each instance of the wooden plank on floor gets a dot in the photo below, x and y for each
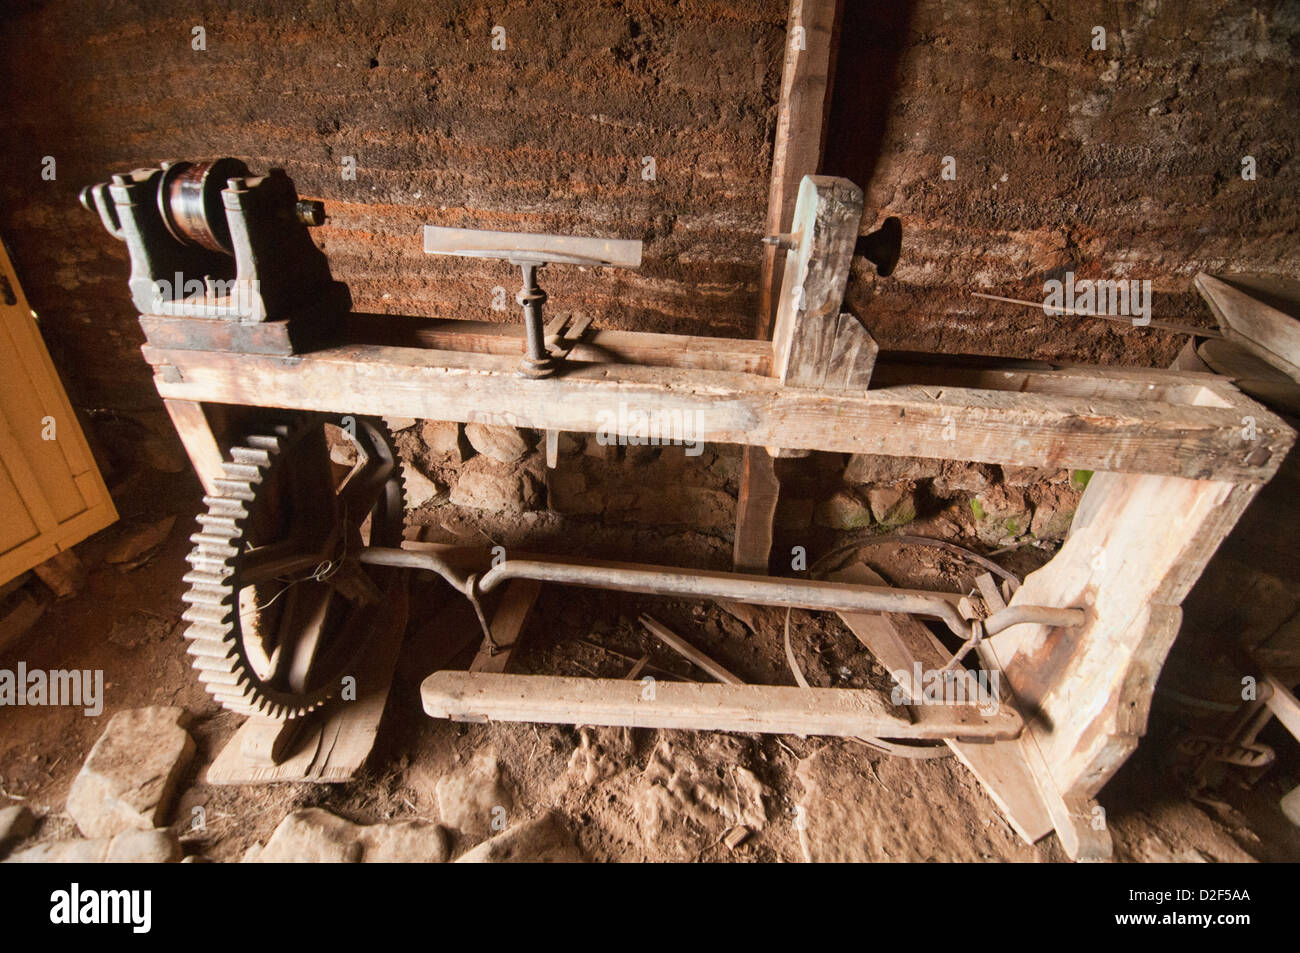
(843, 712)
(688, 651)
(900, 643)
(335, 746)
(507, 624)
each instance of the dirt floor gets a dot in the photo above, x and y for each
(624, 795)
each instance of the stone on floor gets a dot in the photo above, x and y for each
(130, 847)
(542, 840)
(129, 780)
(843, 510)
(473, 800)
(892, 506)
(315, 836)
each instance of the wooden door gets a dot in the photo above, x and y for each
(51, 494)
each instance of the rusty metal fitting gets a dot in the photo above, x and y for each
(310, 212)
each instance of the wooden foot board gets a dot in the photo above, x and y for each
(843, 712)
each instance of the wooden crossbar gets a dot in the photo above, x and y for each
(843, 712)
(1092, 432)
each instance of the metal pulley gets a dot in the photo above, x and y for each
(189, 201)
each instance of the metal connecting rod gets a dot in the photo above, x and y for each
(739, 587)
(1034, 615)
(704, 584)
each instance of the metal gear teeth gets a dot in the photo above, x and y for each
(217, 654)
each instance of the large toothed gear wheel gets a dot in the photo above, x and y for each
(279, 604)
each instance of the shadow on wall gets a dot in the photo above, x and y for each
(872, 40)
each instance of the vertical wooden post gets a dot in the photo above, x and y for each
(796, 152)
(800, 131)
(813, 343)
(201, 444)
(755, 511)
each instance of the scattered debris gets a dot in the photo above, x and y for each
(139, 543)
(736, 836)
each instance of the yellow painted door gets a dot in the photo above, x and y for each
(51, 494)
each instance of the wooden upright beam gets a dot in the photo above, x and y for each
(796, 152)
(201, 444)
(814, 344)
(800, 131)
(1137, 545)
(755, 511)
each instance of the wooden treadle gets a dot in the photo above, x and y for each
(486, 696)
